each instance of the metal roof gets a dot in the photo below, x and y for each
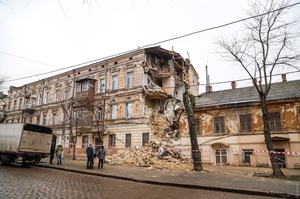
(281, 90)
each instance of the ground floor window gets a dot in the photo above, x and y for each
(145, 138)
(85, 140)
(112, 140)
(246, 155)
(128, 140)
(221, 156)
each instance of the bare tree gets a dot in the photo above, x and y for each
(3, 115)
(189, 104)
(267, 46)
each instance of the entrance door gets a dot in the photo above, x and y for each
(221, 156)
(98, 143)
(281, 158)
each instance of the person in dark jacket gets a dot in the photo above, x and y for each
(101, 157)
(90, 157)
(59, 151)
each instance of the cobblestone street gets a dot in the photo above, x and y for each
(32, 182)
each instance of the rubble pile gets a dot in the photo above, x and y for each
(147, 157)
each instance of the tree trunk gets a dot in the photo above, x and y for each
(196, 154)
(267, 133)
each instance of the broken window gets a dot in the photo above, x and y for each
(128, 110)
(114, 82)
(219, 125)
(245, 123)
(128, 140)
(85, 85)
(129, 80)
(275, 122)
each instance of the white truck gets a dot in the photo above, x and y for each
(24, 143)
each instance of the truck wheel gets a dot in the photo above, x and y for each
(4, 160)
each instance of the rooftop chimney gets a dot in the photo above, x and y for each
(283, 76)
(233, 85)
(208, 86)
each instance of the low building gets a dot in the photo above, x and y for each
(230, 127)
(123, 101)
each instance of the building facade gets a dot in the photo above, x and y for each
(230, 126)
(123, 101)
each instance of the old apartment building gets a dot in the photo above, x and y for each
(123, 101)
(230, 127)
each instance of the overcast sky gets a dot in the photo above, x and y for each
(43, 36)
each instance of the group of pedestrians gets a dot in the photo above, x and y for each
(91, 154)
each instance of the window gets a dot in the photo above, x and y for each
(113, 109)
(245, 123)
(145, 138)
(246, 155)
(112, 140)
(197, 126)
(83, 117)
(219, 124)
(85, 140)
(114, 83)
(221, 156)
(38, 119)
(102, 86)
(100, 114)
(30, 120)
(21, 103)
(129, 80)
(128, 110)
(56, 95)
(275, 122)
(15, 105)
(85, 85)
(9, 106)
(39, 99)
(44, 119)
(128, 140)
(54, 118)
(46, 99)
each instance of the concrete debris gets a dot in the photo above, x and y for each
(147, 156)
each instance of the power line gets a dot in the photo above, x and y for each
(149, 45)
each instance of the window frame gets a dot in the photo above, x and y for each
(219, 125)
(245, 123)
(129, 79)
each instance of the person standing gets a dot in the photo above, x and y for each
(101, 157)
(90, 157)
(59, 151)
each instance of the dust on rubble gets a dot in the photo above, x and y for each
(147, 156)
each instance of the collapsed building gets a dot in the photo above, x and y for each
(121, 102)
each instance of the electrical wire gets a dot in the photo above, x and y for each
(149, 45)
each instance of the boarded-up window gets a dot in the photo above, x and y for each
(219, 125)
(275, 121)
(245, 123)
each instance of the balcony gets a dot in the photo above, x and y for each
(30, 108)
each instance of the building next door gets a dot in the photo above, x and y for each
(281, 158)
(221, 156)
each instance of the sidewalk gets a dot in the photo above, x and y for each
(220, 178)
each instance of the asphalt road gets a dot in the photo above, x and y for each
(17, 182)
